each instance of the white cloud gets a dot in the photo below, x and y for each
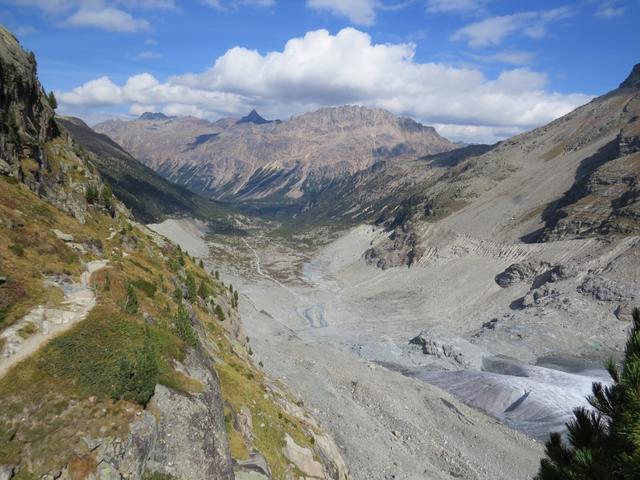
(609, 9)
(321, 69)
(360, 12)
(475, 133)
(149, 55)
(231, 4)
(109, 19)
(109, 15)
(493, 30)
(511, 57)
(455, 6)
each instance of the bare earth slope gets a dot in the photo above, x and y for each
(247, 160)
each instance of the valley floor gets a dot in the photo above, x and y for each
(337, 332)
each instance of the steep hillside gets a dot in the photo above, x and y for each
(576, 177)
(120, 355)
(258, 160)
(150, 197)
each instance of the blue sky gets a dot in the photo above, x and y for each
(478, 70)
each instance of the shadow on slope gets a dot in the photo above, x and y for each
(150, 197)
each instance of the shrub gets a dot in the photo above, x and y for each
(178, 295)
(604, 443)
(138, 377)
(148, 288)
(184, 329)
(204, 291)
(91, 194)
(219, 313)
(131, 304)
(18, 250)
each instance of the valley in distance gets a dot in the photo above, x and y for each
(344, 294)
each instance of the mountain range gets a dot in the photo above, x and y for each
(252, 159)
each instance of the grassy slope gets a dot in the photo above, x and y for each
(64, 392)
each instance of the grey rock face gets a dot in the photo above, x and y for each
(254, 467)
(186, 439)
(606, 290)
(192, 441)
(515, 273)
(624, 312)
(401, 248)
(456, 349)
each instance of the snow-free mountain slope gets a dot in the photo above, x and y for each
(250, 159)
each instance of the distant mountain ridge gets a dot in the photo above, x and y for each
(154, 116)
(256, 118)
(259, 160)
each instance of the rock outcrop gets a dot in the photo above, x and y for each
(460, 352)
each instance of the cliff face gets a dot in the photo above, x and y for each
(26, 118)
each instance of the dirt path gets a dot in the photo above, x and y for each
(49, 321)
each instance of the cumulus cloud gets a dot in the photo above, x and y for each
(493, 30)
(321, 69)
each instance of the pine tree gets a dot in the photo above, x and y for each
(106, 197)
(53, 102)
(204, 291)
(604, 443)
(192, 291)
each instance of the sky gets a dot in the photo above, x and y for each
(477, 70)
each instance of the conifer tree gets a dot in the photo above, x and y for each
(603, 442)
(53, 102)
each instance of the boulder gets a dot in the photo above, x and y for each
(302, 458)
(455, 349)
(255, 466)
(515, 273)
(65, 237)
(7, 472)
(606, 290)
(624, 312)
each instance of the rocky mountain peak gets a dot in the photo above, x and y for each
(154, 116)
(633, 80)
(254, 117)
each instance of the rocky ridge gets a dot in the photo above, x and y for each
(240, 160)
